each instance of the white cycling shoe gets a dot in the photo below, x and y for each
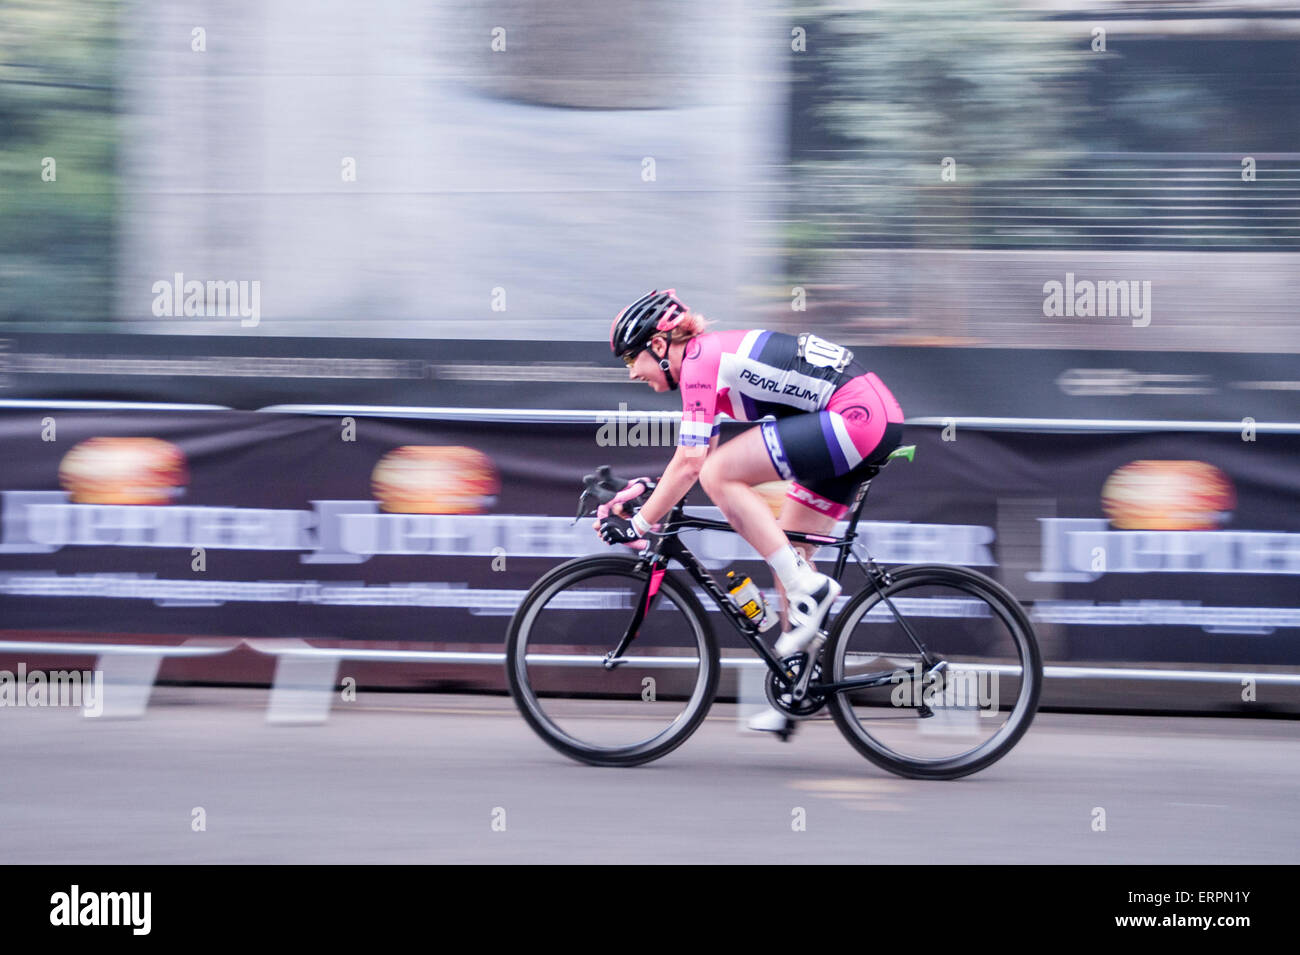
(806, 609)
(772, 721)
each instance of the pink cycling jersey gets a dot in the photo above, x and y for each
(749, 374)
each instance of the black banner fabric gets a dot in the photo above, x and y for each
(251, 373)
(1171, 547)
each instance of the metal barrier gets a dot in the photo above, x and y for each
(129, 669)
(1117, 425)
(306, 677)
(107, 405)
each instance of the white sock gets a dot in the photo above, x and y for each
(791, 569)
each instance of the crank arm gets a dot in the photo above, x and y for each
(800, 688)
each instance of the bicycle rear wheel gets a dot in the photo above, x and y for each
(640, 710)
(950, 721)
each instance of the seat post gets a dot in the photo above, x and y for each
(870, 472)
(842, 555)
(861, 498)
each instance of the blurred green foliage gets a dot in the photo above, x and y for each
(893, 87)
(975, 78)
(57, 66)
(1057, 144)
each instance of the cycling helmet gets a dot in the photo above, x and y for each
(643, 319)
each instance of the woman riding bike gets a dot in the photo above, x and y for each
(833, 418)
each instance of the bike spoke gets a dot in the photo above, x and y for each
(598, 712)
(962, 702)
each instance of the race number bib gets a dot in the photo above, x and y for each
(823, 354)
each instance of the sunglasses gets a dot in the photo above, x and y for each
(630, 358)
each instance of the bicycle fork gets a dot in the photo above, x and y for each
(613, 657)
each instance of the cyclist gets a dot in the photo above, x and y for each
(832, 417)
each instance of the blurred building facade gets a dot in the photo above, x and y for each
(518, 170)
(522, 170)
(950, 160)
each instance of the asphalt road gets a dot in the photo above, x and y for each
(421, 778)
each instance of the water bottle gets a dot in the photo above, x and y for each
(750, 601)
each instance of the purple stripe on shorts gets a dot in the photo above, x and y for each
(833, 444)
(775, 452)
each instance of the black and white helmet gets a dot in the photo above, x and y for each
(643, 319)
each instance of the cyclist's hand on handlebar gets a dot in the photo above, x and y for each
(616, 530)
(613, 520)
(635, 489)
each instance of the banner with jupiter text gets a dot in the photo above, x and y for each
(1174, 547)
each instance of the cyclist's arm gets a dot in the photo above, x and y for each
(683, 471)
(699, 377)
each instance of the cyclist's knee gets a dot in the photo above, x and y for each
(711, 476)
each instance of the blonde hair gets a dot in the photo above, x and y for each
(692, 325)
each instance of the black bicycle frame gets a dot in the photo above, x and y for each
(670, 547)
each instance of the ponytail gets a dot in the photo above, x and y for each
(689, 327)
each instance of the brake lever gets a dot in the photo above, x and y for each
(588, 491)
(600, 487)
(603, 487)
(607, 480)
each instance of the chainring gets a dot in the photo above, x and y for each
(780, 696)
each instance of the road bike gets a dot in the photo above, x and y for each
(930, 671)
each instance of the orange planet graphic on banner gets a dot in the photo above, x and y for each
(124, 471)
(1168, 496)
(420, 479)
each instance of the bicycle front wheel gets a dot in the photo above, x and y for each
(955, 667)
(641, 709)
